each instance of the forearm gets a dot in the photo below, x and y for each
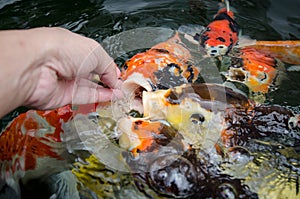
(19, 56)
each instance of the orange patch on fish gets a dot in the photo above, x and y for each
(23, 141)
(261, 69)
(166, 54)
(286, 51)
(145, 132)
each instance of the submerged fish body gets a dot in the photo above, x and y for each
(286, 51)
(30, 136)
(34, 148)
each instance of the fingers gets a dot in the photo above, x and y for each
(105, 67)
(85, 91)
(79, 91)
(72, 64)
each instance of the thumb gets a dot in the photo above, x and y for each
(86, 91)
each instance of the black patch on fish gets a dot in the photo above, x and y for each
(265, 77)
(160, 50)
(136, 124)
(192, 75)
(167, 79)
(221, 39)
(233, 25)
(203, 39)
(173, 65)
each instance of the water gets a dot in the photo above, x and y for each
(99, 19)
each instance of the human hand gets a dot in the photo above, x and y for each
(65, 72)
(53, 67)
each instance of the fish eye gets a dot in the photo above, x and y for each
(125, 66)
(197, 118)
(137, 124)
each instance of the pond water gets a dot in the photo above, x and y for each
(261, 20)
(100, 19)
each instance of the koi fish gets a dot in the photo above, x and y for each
(203, 111)
(34, 147)
(257, 60)
(221, 35)
(286, 51)
(164, 65)
(211, 119)
(255, 69)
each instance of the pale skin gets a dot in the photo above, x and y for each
(46, 68)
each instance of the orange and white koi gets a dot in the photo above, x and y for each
(164, 65)
(29, 142)
(221, 35)
(253, 68)
(34, 147)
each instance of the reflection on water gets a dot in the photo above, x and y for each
(266, 168)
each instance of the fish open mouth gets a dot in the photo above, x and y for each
(133, 88)
(237, 74)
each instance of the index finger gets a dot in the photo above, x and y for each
(106, 68)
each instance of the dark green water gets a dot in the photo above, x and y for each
(263, 20)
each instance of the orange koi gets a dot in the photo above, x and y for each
(254, 64)
(221, 35)
(142, 135)
(30, 136)
(32, 141)
(253, 68)
(286, 51)
(170, 58)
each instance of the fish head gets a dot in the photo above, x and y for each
(141, 135)
(165, 65)
(255, 69)
(194, 110)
